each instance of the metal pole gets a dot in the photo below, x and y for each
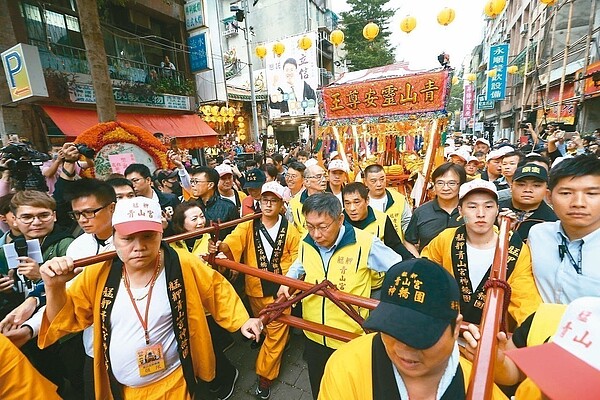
(255, 134)
(587, 58)
(565, 59)
(526, 70)
(550, 58)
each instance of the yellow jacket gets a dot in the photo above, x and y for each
(347, 270)
(241, 244)
(525, 297)
(205, 289)
(394, 209)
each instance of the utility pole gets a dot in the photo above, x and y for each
(256, 134)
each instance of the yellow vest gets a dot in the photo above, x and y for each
(297, 218)
(544, 325)
(377, 227)
(394, 210)
(347, 270)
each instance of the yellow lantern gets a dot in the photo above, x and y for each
(305, 43)
(242, 137)
(241, 124)
(492, 73)
(471, 77)
(240, 119)
(493, 8)
(215, 110)
(223, 112)
(278, 48)
(205, 110)
(261, 51)
(231, 111)
(370, 31)
(454, 80)
(513, 69)
(408, 24)
(336, 37)
(241, 131)
(219, 119)
(446, 16)
(548, 2)
(208, 119)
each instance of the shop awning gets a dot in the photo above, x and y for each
(190, 130)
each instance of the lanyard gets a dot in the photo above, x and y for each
(143, 321)
(565, 251)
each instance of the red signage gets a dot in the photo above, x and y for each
(414, 94)
(592, 87)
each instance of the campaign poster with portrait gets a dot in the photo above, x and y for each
(292, 78)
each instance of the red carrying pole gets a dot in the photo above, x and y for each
(482, 376)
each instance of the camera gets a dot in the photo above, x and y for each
(23, 162)
(85, 151)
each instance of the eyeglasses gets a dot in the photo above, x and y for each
(197, 181)
(88, 214)
(450, 184)
(42, 217)
(269, 201)
(291, 176)
(322, 229)
(319, 177)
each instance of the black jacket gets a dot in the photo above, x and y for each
(219, 209)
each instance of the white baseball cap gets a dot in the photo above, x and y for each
(472, 159)
(333, 154)
(483, 140)
(337, 165)
(223, 169)
(568, 367)
(273, 187)
(310, 162)
(498, 153)
(461, 154)
(137, 215)
(479, 185)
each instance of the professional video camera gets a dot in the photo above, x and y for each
(24, 163)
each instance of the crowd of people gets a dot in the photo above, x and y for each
(155, 319)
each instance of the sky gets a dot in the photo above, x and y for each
(421, 47)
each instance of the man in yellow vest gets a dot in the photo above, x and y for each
(346, 256)
(361, 215)
(389, 201)
(413, 352)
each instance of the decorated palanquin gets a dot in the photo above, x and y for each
(388, 116)
(118, 144)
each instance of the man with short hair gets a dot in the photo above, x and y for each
(359, 214)
(413, 352)
(338, 176)
(255, 179)
(139, 175)
(565, 253)
(315, 181)
(529, 189)
(270, 244)
(169, 350)
(294, 178)
(389, 201)
(123, 188)
(333, 250)
(205, 181)
(493, 166)
(467, 252)
(225, 186)
(167, 182)
(302, 156)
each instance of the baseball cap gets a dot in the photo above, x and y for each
(137, 215)
(531, 171)
(498, 153)
(333, 154)
(310, 162)
(460, 154)
(223, 169)
(568, 367)
(418, 301)
(477, 185)
(163, 174)
(273, 187)
(483, 140)
(337, 165)
(255, 178)
(472, 159)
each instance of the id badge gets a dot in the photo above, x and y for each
(150, 359)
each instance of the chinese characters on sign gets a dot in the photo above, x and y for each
(194, 14)
(468, 102)
(496, 85)
(403, 95)
(198, 52)
(119, 162)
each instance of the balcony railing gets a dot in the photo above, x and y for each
(70, 59)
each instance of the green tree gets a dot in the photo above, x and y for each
(361, 53)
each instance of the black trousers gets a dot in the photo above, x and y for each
(224, 371)
(316, 356)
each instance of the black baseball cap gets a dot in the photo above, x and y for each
(419, 299)
(163, 174)
(255, 178)
(531, 171)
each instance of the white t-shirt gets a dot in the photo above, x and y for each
(127, 333)
(479, 263)
(378, 204)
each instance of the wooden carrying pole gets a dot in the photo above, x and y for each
(482, 376)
